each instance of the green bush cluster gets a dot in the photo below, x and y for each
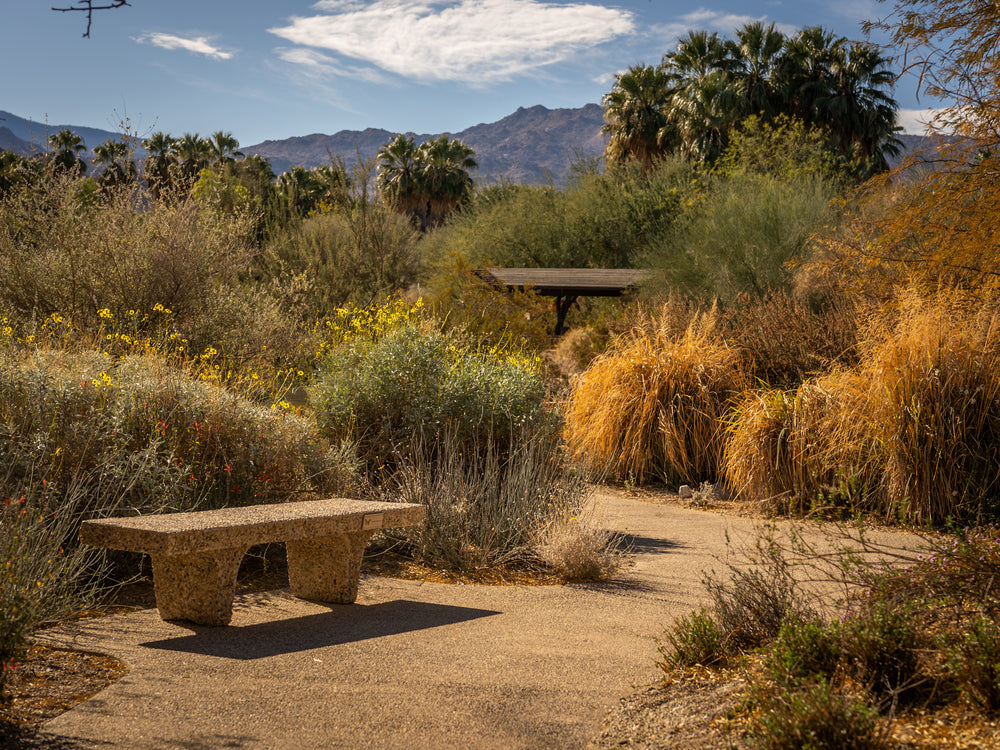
(409, 389)
(919, 632)
(172, 440)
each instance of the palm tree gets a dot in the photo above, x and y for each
(299, 190)
(223, 148)
(706, 110)
(118, 167)
(190, 154)
(159, 158)
(68, 149)
(400, 177)
(756, 54)
(635, 114)
(804, 71)
(445, 165)
(860, 113)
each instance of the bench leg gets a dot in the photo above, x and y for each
(198, 587)
(327, 568)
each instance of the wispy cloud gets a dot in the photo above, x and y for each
(474, 41)
(315, 64)
(199, 45)
(917, 121)
(710, 20)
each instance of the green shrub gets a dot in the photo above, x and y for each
(975, 662)
(805, 649)
(44, 576)
(883, 643)
(406, 390)
(695, 639)
(814, 717)
(355, 254)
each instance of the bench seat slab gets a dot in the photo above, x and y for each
(198, 586)
(326, 568)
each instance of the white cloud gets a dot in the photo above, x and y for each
(915, 121)
(199, 45)
(710, 20)
(315, 64)
(475, 41)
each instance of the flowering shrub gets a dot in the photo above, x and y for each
(181, 441)
(389, 392)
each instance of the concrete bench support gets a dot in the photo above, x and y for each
(196, 556)
(327, 569)
(198, 587)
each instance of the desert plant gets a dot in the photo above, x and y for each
(651, 407)
(695, 639)
(395, 394)
(975, 662)
(44, 575)
(816, 716)
(883, 643)
(577, 548)
(805, 649)
(485, 508)
(187, 442)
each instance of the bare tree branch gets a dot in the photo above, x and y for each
(88, 7)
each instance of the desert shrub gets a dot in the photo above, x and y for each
(651, 407)
(742, 234)
(695, 639)
(44, 576)
(788, 339)
(465, 303)
(356, 253)
(395, 394)
(805, 649)
(975, 662)
(187, 442)
(816, 716)
(883, 643)
(485, 508)
(576, 547)
(597, 221)
(69, 257)
(752, 604)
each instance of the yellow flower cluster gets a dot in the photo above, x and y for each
(366, 323)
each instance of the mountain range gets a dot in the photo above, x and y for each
(532, 145)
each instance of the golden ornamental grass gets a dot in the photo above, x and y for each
(798, 451)
(652, 406)
(934, 402)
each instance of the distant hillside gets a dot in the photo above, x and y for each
(36, 134)
(531, 145)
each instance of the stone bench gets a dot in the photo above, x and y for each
(196, 556)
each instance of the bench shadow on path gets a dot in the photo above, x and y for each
(342, 624)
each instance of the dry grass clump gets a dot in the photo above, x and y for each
(651, 407)
(913, 432)
(578, 548)
(780, 450)
(934, 403)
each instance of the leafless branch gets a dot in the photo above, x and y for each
(88, 7)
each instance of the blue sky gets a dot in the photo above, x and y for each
(265, 69)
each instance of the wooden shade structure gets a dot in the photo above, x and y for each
(566, 284)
